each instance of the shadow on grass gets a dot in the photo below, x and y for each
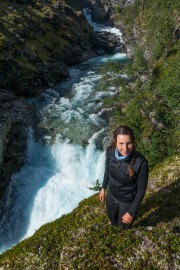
(163, 205)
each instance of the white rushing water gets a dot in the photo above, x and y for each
(57, 173)
(78, 168)
(100, 27)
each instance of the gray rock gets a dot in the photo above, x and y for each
(15, 117)
(4, 130)
(108, 41)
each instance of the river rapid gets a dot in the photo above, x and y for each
(59, 169)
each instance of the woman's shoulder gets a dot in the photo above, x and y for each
(110, 150)
(140, 162)
(140, 158)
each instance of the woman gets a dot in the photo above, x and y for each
(126, 174)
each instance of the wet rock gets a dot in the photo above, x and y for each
(17, 20)
(100, 10)
(31, 27)
(25, 1)
(14, 154)
(4, 130)
(108, 41)
(177, 33)
(74, 55)
(8, 45)
(53, 72)
(15, 118)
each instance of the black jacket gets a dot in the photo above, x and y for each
(123, 187)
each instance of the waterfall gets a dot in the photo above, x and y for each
(100, 27)
(78, 168)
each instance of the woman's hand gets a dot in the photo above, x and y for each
(102, 195)
(127, 218)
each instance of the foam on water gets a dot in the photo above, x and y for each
(78, 168)
(100, 27)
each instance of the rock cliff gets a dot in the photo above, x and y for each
(39, 39)
(15, 118)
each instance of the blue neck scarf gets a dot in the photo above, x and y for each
(120, 157)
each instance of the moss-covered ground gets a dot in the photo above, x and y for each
(84, 239)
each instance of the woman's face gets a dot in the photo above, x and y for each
(124, 144)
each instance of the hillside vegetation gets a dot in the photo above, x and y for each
(84, 239)
(38, 40)
(148, 99)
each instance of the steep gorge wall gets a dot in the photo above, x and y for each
(38, 41)
(15, 118)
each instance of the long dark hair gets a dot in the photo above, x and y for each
(125, 130)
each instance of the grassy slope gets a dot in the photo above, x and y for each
(83, 239)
